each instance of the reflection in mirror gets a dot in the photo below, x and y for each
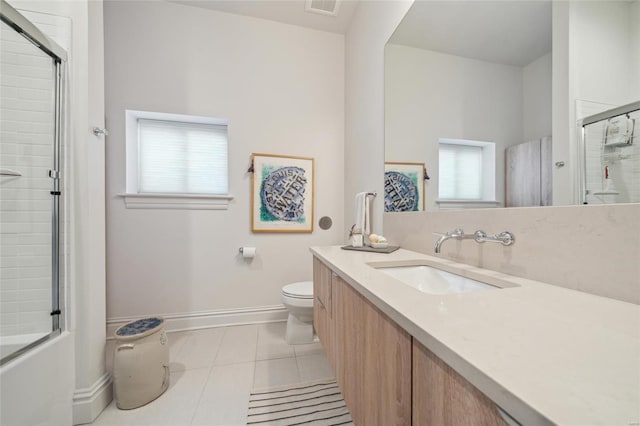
(611, 155)
(470, 87)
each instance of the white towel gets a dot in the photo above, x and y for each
(361, 211)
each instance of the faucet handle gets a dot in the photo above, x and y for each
(506, 238)
(440, 234)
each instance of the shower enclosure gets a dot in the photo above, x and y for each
(610, 171)
(31, 134)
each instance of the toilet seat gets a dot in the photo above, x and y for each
(299, 290)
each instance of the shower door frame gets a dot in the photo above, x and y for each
(24, 27)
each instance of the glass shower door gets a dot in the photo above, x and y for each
(29, 191)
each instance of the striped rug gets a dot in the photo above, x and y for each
(317, 403)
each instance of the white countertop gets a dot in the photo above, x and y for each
(544, 354)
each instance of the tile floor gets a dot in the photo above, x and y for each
(213, 371)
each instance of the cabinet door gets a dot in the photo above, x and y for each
(322, 308)
(373, 360)
(522, 184)
(443, 397)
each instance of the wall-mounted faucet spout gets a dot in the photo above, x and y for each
(457, 234)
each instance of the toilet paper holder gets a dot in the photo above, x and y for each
(247, 252)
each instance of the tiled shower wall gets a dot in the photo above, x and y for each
(27, 124)
(623, 163)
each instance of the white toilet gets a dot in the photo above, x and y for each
(298, 298)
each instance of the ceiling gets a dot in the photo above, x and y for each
(505, 32)
(286, 11)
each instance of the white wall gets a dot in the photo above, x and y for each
(431, 95)
(602, 48)
(634, 18)
(536, 110)
(281, 88)
(371, 26)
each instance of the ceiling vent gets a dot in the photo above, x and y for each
(323, 7)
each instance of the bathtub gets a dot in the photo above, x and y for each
(36, 388)
(12, 344)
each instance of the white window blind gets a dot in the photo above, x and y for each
(182, 158)
(460, 172)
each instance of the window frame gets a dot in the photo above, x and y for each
(135, 199)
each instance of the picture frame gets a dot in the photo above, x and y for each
(282, 193)
(404, 186)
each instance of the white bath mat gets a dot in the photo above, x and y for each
(316, 403)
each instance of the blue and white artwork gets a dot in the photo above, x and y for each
(282, 198)
(282, 194)
(403, 187)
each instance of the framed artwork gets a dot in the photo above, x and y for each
(404, 187)
(281, 193)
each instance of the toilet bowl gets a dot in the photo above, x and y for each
(298, 299)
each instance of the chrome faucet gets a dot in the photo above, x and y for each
(506, 238)
(457, 234)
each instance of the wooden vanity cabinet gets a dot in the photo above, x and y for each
(373, 360)
(387, 377)
(323, 308)
(443, 397)
(369, 353)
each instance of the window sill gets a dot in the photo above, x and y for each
(467, 204)
(177, 201)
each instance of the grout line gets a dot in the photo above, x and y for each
(211, 367)
(255, 354)
(224, 334)
(255, 361)
(206, 382)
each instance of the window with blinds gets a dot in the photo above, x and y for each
(460, 172)
(466, 170)
(177, 157)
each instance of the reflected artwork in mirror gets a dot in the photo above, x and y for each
(404, 187)
(489, 94)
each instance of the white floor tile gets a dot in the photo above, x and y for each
(275, 372)
(198, 350)
(271, 341)
(175, 407)
(176, 341)
(314, 367)
(213, 372)
(238, 345)
(314, 348)
(225, 398)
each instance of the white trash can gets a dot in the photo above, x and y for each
(140, 362)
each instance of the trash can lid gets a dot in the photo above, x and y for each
(139, 328)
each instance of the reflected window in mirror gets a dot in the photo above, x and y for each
(466, 170)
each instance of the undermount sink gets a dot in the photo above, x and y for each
(433, 281)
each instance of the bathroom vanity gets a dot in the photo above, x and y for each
(522, 352)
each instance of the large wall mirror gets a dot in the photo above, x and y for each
(483, 101)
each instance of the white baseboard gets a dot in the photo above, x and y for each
(89, 402)
(209, 319)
